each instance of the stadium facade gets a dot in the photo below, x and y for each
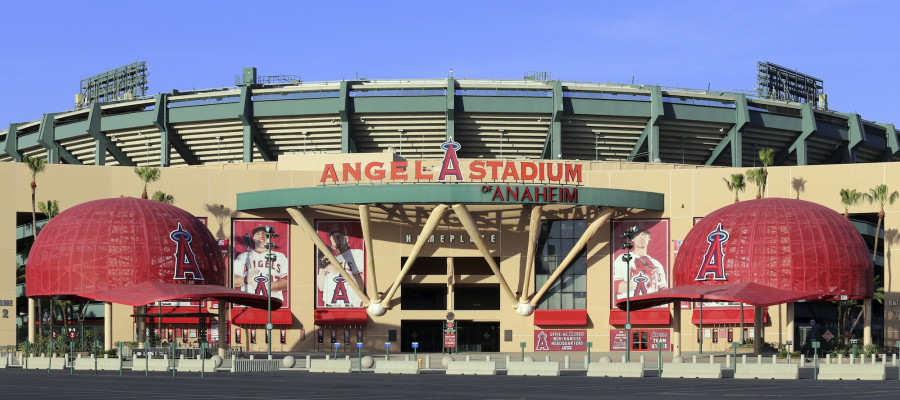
(453, 242)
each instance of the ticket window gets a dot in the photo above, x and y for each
(283, 336)
(237, 335)
(715, 336)
(730, 335)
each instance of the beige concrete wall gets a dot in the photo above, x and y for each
(210, 192)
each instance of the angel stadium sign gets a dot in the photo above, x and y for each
(519, 171)
(451, 171)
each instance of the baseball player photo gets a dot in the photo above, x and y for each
(251, 268)
(346, 244)
(647, 269)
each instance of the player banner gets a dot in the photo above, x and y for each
(251, 270)
(347, 246)
(647, 271)
(560, 340)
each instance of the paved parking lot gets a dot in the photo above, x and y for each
(431, 385)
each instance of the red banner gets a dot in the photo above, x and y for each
(644, 339)
(560, 340)
(449, 340)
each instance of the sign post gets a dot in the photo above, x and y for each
(203, 358)
(359, 354)
(147, 359)
(173, 358)
(815, 346)
(522, 345)
(50, 361)
(387, 349)
(589, 345)
(337, 345)
(71, 354)
(735, 345)
(121, 358)
(96, 348)
(659, 347)
(26, 356)
(415, 346)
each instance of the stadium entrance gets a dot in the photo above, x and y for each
(478, 336)
(429, 335)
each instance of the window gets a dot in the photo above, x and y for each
(639, 340)
(477, 297)
(555, 240)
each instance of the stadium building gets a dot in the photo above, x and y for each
(452, 205)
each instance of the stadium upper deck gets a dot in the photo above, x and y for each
(512, 119)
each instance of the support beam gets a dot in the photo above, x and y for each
(892, 144)
(168, 139)
(465, 218)
(11, 143)
(107, 326)
(304, 224)
(348, 143)
(867, 321)
(582, 242)
(534, 227)
(47, 138)
(251, 133)
(553, 141)
(222, 327)
(676, 328)
(799, 146)
(650, 136)
(735, 134)
(430, 225)
(757, 329)
(450, 119)
(102, 144)
(31, 320)
(365, 219)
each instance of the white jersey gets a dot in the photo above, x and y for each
(647, 275)
(336, 292)
(256, 284)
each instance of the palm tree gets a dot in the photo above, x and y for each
(163, 197)
(35, 165)
(850, 197)
(880, 194)
(766, 157)
(147, 175)
(757, 177)
(736, 184)
(49, 209)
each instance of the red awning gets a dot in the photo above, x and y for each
(174, 315)
(151, 292)
(652, 316)
(744, 292)
(341, 316)
(560, 317)
(252, 316)
(726, 316)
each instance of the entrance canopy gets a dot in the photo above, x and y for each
(130, 251)
(765, 252)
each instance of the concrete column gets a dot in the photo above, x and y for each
(676, 329)
(867, 324)
(31, 320)
(107, 326)
(223, 329)
(789, 325)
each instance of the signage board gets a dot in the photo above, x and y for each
(560, 340)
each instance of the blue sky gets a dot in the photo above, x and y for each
(48, 47)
